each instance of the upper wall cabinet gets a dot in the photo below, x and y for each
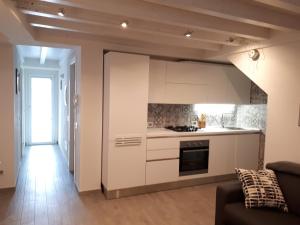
(190, 83)
(157, 79)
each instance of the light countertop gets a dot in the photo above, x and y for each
(162, 132)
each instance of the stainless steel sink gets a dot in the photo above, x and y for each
(234, 128)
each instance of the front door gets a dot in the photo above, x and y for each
(42, 111)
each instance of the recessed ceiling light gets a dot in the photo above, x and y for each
(61, 12)
(188, 34)
(230, 39)
(124, 24)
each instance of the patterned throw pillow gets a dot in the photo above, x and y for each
(261, 189)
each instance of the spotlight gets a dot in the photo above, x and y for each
(254, 54)
(124, 24)
(61, 12)
(188, 34)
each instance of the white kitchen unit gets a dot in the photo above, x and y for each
(157, 80)
(248, 150)
(195, 82)
(162, 171)
(162, 164)
(222, 150)
(126, 81)
(227, 150)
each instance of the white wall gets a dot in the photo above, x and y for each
(63, 77)
(8, 129)
(277, 73)
(18, 115)
(63, 109)
(90, 118)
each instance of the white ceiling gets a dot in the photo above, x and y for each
(157, 27)
(35, 52)
(214, 24)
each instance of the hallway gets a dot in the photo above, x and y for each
(46, 195)
(44, 189)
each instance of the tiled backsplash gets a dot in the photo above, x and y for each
(257, 95)
(162, 115)
(252, 116)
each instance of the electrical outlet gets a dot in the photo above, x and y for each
(150, 124)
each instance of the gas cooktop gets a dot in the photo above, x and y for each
(182, 128)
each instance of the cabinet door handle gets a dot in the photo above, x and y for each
(196, 150)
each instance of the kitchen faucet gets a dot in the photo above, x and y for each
(222, 121)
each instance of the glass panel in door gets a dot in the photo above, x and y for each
(41, 110)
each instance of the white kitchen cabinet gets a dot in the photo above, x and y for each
(162, 154)
(195, 82)
(188, 73)
(226, 152)
(157, 77)
(176, 93)
(162, 160)
(222, 155)
(162, 148)
(238, 86)
(162, 143)
(247, 151)
(162, 171)
(126, 79)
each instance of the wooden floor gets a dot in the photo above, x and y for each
(46, 194)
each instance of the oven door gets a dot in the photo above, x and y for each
(193, 161)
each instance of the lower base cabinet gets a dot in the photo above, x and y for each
(226, 152)
(247, 153)
(162, 171)
(222, 155)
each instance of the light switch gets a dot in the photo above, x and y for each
(1, 169)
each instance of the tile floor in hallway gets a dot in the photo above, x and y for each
(46, 194)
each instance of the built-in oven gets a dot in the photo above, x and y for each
(194, 156)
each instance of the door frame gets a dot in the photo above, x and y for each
(72, 116)
(28, 115)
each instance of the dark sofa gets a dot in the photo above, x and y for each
(230, 208)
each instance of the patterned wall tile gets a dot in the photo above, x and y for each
(246, 116)
(252, 116)
(257, 95)
(162, 115)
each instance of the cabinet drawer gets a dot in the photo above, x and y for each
(162, 171)
(162, 143)
(163, 154)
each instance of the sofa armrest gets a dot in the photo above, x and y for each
(227, 193)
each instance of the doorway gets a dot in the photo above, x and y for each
(49, 89)
(41, 106)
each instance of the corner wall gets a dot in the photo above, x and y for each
(90, 118)
(8, 158)
(277, 73)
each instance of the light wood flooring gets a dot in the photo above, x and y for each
(46, 194)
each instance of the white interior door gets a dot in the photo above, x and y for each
(42, 116)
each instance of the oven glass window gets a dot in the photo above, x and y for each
(194, 157)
